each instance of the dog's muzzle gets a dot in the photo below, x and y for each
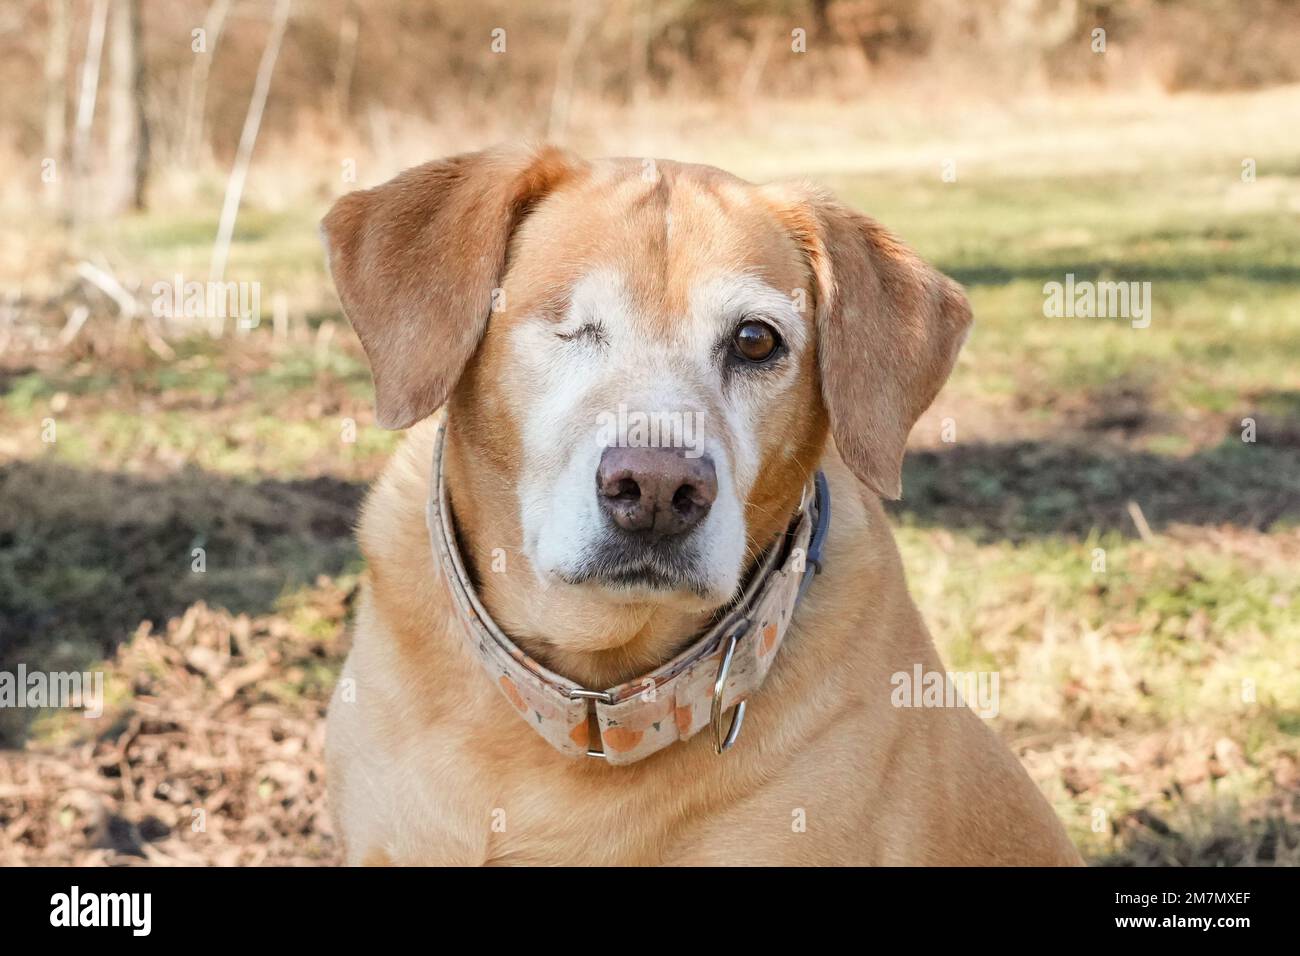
(721, 670)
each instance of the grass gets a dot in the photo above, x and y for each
(1155, 700)
(1225, 280)
(1153, 685)
(1184, 650)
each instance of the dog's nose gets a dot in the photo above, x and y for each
(656, 490)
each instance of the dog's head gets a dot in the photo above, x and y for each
(645, 357)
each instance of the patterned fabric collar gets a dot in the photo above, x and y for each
(720, 670)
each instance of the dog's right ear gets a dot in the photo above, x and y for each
(889, 328)
(415, 262)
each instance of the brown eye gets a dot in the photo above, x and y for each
(755, 341)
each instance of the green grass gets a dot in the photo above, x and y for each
(1173, 648)
(1224, 273)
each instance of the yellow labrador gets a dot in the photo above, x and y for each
(632, 597)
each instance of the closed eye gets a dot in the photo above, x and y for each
(591, 332)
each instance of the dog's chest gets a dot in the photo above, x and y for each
(581, 820)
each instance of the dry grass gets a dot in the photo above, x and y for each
(210, 752)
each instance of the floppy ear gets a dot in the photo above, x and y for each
(415, 262)
(889, 328)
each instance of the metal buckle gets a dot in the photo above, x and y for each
(601, 697)
(719, 742)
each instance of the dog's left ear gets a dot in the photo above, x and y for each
(415, 262)
(889, 328)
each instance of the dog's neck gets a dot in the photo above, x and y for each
(582, 635)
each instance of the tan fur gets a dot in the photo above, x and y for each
(429, 764)
(415, 261)
(889, 329)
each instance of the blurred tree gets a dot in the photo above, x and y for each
(86, 108)
(56, 96)
(581, 15)
(247, 140)
(128, 124)
(346, 61)
(197, 107)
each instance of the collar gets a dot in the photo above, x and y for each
(720, 670)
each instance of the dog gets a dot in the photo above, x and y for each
(577, 645)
